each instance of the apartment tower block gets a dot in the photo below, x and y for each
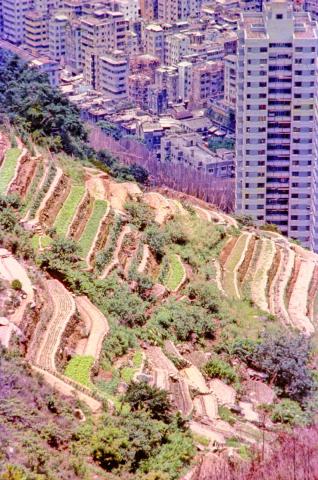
(276, 118)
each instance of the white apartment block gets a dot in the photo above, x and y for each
(176, 48)
(13, 17)
(173, 11)
(275, 118)
(154, 41)
(230, 80)
(73, 48)
(36, 31)
(102, 32)
(57, 34)
(185, 71)
(113, 70)
(130, 9)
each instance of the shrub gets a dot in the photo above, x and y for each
(184, 320)
(140, 214)
(285, 357)
(156, 240)
(118, 342)
(288, 411)
(16, 284)
(216, 368)
(142, 396)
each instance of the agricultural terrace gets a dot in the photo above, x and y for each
(230, 281)
(7, 169)
(68, 209)
(79, 369)
(91, 227)
(175, 273)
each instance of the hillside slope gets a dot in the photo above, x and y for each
(133, 286)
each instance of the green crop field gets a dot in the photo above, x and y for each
(68, 210)
(79, 369)
(7, 168)
(91, 227)
(231, 263)
(175, 273)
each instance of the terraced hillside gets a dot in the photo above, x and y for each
(128, 286)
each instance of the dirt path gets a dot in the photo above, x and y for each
(68, 390)
(97, 326)
(145, 257)
(232, 265)
(298, 301)
(64, 309)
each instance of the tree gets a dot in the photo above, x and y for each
(142, 396)
(285, 357)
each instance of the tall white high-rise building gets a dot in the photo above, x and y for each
(276, 120)
(13, 18)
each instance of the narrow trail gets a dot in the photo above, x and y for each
(278, 288)
(58, 176)
(93, 246)
(96, 323)
(298, 301)
(64, 309)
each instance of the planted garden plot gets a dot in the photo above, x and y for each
(260, 277)
(91, 228)
(232, 264)
(298, 300)
(79, 369)
(68, 209)
(176, 274)
(279, 285)
(8, 168)
(63, 311)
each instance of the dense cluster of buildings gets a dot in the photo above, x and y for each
(185, 74)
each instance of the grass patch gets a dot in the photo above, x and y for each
(175, 273)
(79, 369)
(8, 167)
(127, 373)
(91, 227)
(44, 242)
(34, 185)
(200, 439)
(68, 210)
(226, 415)
(231, 263)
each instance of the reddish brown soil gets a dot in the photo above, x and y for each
(44, 310)
(293, 279)
(227, 250)
(25, 174)
(312, 292)
(247, 260)
(80, 220)
(273, 270)
(55, 202)
(4, 145)
(128, 249)
(186, 198)
(73, 333)
(102, 235)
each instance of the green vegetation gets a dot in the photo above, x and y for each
(216, 368)
(32, 189)
(79, 369)
(36, 201)
(290, 412)
(231, 263)
(41, 241)
(175, 273)
(216, 143)
(16, 284)
(68, 210)
(104, 257)
(7, 169)
(91, 227)
(226, 415)
(127, 373)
